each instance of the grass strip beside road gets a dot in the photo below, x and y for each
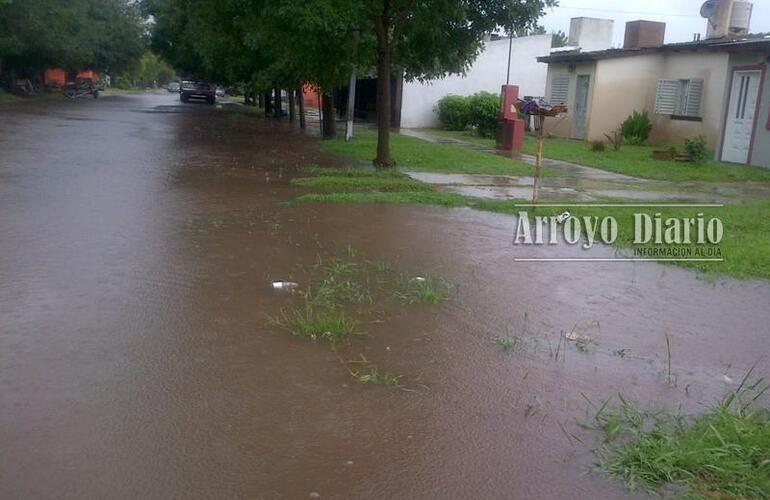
(415, 154)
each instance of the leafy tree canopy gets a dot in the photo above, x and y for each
(106, 35)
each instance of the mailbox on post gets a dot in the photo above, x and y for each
(511, 134)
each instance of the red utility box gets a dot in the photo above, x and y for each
(511, 135)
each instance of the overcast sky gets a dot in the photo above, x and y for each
(681, 16)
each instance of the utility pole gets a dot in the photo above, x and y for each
(510, 48)
(351, 108)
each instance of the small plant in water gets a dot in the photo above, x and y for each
(506, 343)
(425, 289)
(723, 452)
(375, 377)
(314, 323)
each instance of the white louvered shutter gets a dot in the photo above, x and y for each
(694, 98)
(559, 88)
(667, 97)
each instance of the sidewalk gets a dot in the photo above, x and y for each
(580, 182)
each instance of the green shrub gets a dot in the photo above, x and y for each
(484, 110)
(453, 112)
(598, 146)
(696, 148)
(636, 129)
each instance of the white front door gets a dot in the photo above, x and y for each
(739, 126)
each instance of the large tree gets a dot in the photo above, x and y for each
(430, 39)
(106, 35)
(294, 41)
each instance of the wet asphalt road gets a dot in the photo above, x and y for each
(138, 237)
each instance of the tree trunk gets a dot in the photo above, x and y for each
(268, 103)
(301, 99)
(278, 111)
(292, 111)
(383, 159)
(329, 123)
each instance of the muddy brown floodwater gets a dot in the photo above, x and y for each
(138, 237)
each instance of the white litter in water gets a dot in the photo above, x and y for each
(284, 285)
(419, 279)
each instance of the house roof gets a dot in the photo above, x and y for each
(759, 41)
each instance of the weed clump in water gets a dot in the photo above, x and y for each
(425, 289)
(375, 377)
(317, 323)
(722, 453)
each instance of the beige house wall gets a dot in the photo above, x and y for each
(624, 84)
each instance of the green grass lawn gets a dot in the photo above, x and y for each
(636, 161)
(415, 154)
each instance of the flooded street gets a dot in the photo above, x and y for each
(138, 241)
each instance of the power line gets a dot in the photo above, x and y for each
(647, 13)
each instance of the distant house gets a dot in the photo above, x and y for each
(57, 78)
(488, 72)
(713, 87)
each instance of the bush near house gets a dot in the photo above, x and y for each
(453, 112)
(696, 148)
(636, 129)
(480, 111)
(484, 108)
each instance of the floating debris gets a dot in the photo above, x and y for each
(574, 337)
(285, 285)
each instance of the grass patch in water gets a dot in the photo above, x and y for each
(506, 342)
(317, 323)
(425, 289)
(397, 198)
(375, 377)
(363, 183)
(721, 453)
(340, 286)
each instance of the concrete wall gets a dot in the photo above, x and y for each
(760, 154)
(487, 73)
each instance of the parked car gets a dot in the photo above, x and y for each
(173, 87)
(197, 90)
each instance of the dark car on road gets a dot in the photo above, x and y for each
(197, 90)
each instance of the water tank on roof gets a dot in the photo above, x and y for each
(740, 19)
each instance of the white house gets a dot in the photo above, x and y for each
(487, 73)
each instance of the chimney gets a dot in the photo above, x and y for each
(640, 34)
(590, 34)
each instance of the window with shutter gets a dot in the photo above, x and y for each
(679, 98)
(694, 96)
(667, 97)
(559, 88)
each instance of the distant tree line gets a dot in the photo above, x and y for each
(282, 45)
(103, 35)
